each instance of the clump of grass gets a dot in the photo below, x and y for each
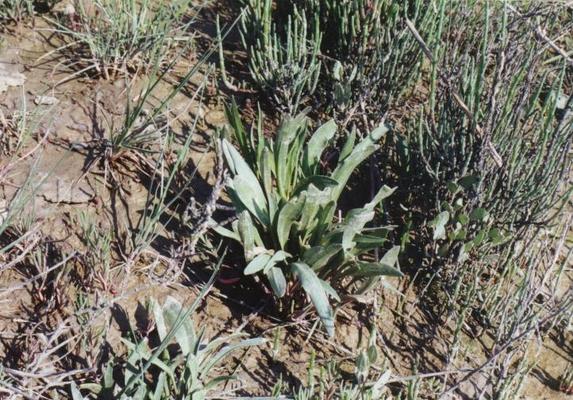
(15, 10)
(326, 381)
(109, 38)
(283, 60)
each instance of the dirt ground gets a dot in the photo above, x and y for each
(411, 338)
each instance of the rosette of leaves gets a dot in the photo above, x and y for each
(180, 367)
(286, 204)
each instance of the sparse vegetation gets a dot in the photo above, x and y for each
(113, 38)
(167, 227)
(15, 10)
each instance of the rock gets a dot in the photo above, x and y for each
(64, 191)
(46, 101)
(10, 76)
(216, 118)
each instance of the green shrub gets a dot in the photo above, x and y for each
(18, 10)
(514, 105)
(286, 212)
(283, 61)
(368, 55)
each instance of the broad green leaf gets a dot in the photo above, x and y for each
(277, 280)
(353, 225)
(453, 187)
(95, 388)
(316, 145)
(76, 395)
(390, 258)
(320, 181)
(383, 193)
(108, 381)
(329, 290)
(324, 218)
(439, 225)
(284, 157)
(371, 269)
(237, 164)
(496, 236)
(234, 118)
(258, 264)
(467, 182)
(159, 321)
(185, 335)
(312, 285)
(160, 388)
(247, 234)
(252, 197)
(378, 387)
(317, 257)
(277, 258)
(315, 199)
(225, 232)
(479, 238)
(348, 145)
(463, 219)
(245, 183)
(368, 242)
(385, 267)
(135, 356)
(360, 153)
(287, 216)
(479, 214)
(267, 169)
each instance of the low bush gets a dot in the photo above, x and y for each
(493, 141)
(283, 61)
(360, 52)
(286, 206)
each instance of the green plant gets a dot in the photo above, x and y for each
(283, 60)
(286, 209)
(161, 372)
(110, 38)
(489, 90)
(143, 128)
(368, 55)
(15, 10)
(327, 382)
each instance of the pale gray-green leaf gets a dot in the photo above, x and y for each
(312, 285)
